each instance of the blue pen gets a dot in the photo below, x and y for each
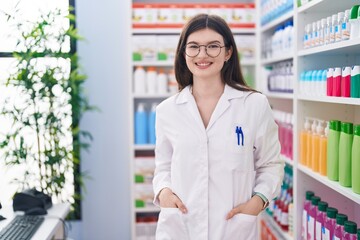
(239, 133)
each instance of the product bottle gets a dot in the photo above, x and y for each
(327, 30)
(338, 27)
(329, 224)
(355, 82)
(323, 151)
(337, 82)
(333, 150)
(354, 22)
(139, 80)
(151, 122)
(317, 33)
(358, 234)
(316, 146)
(304, 136)
(350, 230)
(141, 126)
(162, 82)
(322, 32)
(320, 219)
(355, 160)
(312, 216)
(305, 214)
(345, 81)
(332, 29)
(310, 144)
(339, 227)
(329, 82)
(345, 145)
(323, 83)
(345, 28)
(151, 83)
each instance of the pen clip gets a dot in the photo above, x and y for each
(239, 133)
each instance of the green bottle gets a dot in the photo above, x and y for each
(345, 145)
(333, 150)
(355, 161)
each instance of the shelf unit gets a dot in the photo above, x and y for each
(339, 54)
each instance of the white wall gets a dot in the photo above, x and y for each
(105, 56)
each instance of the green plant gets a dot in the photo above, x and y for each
(45, 110)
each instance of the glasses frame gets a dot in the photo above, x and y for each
(202, 45)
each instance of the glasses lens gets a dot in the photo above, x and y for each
(192, 50)
(212, 50)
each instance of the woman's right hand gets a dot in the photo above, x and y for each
(168, 199)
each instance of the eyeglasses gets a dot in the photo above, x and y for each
(212, 50)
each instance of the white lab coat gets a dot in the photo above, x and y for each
(213, 170)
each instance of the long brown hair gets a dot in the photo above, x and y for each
(231, 71)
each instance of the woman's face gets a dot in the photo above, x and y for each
(203, 66)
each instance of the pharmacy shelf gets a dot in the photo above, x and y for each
(144, 147)
(271, 25)
(153, 63)
(280, 95)
(280, 58)
(152, 96)
(316, 6)
(326, 99)
(177, 31)
(281, 234)
(346, 192)
(147, 209)
(350, 47)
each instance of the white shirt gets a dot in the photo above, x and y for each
(213, 170)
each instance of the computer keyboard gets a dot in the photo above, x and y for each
(22, 227)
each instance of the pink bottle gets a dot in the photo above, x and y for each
(345, 81)
(312, 217)
(339, 227)
(320, 219)
(337, 82)
(305, 214)
(329, 82)
(350, 231)
(330, 222)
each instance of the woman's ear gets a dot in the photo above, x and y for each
(229, 52)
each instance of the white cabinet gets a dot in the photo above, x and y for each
(338, 54)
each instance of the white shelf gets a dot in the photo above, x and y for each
(147, 209)
(178, 31)
(277, 21)
(278, 230)
(346, 192)
(144, 147)
(316, 6)
(277, 59)
(337, 100)
(280, 95)
(351, 47)
(152, 96)
(154, 63)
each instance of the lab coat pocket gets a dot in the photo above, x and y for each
(241, 227)
(170, 225)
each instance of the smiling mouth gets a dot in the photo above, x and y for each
(203, 64)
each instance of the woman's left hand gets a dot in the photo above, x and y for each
(252, 207)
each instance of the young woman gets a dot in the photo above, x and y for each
(217, 149)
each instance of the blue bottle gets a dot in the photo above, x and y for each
(141, 125)
(151, 122)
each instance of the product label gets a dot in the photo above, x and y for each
(336, 238)
(318, 231)
(311, 226)
(326, 234)
(304, 225)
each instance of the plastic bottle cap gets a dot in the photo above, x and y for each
(331, 212)
(151, 69)
(350, 227)
(354, 12)
(341, 218)
(322, 206)
(357, 130)
(358, 233)
(309, 194)
(315, 200)
(335, 125)
(347, 127)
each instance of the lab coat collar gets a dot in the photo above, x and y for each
(229, 93)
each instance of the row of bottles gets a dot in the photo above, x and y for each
(281, 77)
(336, 82)
(321, 222)
(284, 121)
(271, 10)
(151, 81)
(282, 206)
(322, 147)
(145, 124)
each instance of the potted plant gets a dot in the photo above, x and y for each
(45, 140)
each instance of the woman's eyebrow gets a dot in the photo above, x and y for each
(215, 41)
